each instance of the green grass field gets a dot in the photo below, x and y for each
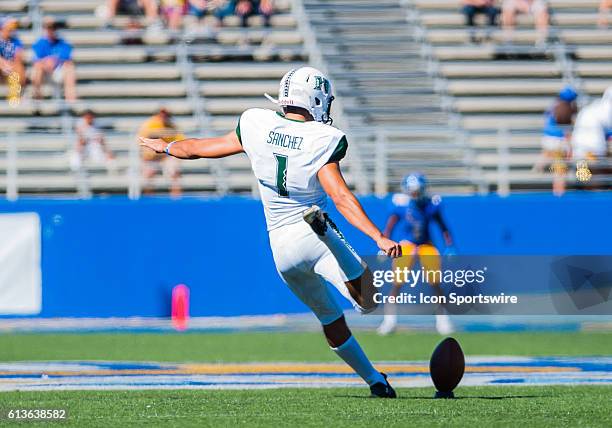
(339, 407)
(478, 406)
(268, 346)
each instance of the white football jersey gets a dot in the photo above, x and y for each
(286, 156)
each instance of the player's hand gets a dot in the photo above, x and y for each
(389, 247)
(156, 144)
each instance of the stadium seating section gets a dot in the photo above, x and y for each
(500, 89)
(206, 78)
(413, 91)
(387, 94)
(464, 113)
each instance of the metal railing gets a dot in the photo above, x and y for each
(397, 150)
(374, 156)
(501, 162)
(12, 187)
(49, 156)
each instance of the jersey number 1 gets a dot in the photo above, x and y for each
(281, 174)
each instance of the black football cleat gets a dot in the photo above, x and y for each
(316, 218)
(319, 221)
(382, 390)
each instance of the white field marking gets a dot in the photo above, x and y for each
(298, 322)
(480, 371)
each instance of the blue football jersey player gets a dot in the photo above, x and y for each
(413, 213)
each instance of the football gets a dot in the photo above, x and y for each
(446, 367)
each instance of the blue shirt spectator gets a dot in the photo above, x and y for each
(555, 140)
(53, 58)
(9, 47)
(561, 114)
(57, 47)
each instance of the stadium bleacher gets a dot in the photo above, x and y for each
(408, 67)
(501, 89)
(387, 95)
(205, 77)
(413, 92)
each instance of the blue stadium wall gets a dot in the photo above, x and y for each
(116, 258)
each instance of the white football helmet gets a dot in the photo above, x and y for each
(307, 88)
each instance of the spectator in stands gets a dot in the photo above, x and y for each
(11, 51)
(90, 144)
(592, 132)
(53, 57)
(132, 32)
(471, 8)
(224, 9)
(133, 8)
(604, 11)
(556, 149)
(160, 125)
(219, 8)
(537, 8)
(200, 8)
(245, 9)
(172, 12)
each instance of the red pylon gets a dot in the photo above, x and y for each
(180, 307)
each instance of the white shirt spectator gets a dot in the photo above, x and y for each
(593, 128)
(89, 146)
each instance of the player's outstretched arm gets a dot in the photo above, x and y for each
(196, 148)
(448, 240)
(334, 185)
(391, 222)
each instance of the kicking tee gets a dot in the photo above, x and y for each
(286, 156)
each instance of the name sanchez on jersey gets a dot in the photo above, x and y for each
(284, 140)
(286, 156)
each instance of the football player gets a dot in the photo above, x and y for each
(413, 212)
(295, 155)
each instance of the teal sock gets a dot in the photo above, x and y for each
(353, 355)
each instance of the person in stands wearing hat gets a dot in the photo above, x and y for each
(556, 150)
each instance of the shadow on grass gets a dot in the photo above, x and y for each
(474, 397)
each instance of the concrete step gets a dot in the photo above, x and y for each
(500, 69)
(554, 4)
(243, 71)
